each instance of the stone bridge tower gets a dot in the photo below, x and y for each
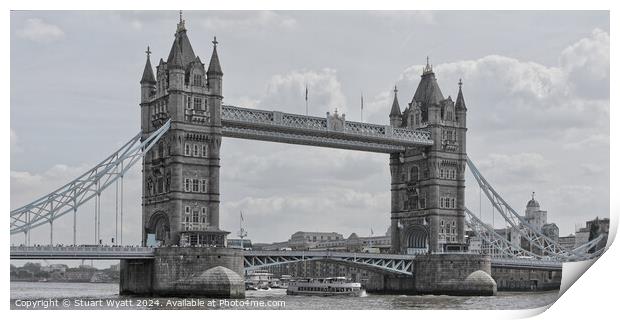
(180, 191)
(428, 183)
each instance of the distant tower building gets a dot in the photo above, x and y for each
(538, 220)
(533, 215)
(428, 183)
(180, 203)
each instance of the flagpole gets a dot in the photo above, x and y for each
(306, 99)
(362, 107)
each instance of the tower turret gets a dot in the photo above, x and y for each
(461, 109)
(214, 72)
(147, 87)
(396, 117)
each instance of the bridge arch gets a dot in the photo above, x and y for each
(416, 239)
(159, 226)
(381, 263)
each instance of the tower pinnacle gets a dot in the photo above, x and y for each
(214, 64)
(428, 68)
(460, 101)
(147, 75)
(395, 112)
(181, 24)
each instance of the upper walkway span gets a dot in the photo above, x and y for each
(332, 131)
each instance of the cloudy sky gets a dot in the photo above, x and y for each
(536, 86)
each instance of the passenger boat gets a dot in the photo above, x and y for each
(324, 287)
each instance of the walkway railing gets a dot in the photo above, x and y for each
(330, 131)
(81, 252)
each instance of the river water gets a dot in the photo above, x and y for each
(52, 295)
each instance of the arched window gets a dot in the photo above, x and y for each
(187, 149)
(414, 176)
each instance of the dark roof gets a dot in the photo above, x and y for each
(214, 64)
(147, 75)
(428, 91)
(533, 203)
(460, 101)
(181, 52)
(395, 106)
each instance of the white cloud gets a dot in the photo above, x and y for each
(40, 31)
(286, 92)
(509, 97)
(586, 63)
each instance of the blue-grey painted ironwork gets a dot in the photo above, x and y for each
(277, 126)
(394, 263)
(88, 185)
(391, 263)
(518, 223)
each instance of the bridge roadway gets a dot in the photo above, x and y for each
(392, 263)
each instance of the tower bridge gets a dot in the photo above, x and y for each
(183, 120)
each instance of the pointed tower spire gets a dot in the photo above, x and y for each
(147, 75)
(176, 57)
(181, 52)
(214, 64)
(395, 106)
(460, 101)
(396, 118)
(181, 24)
(428, 68)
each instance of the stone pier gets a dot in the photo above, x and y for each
(186, 271)
(454, 274)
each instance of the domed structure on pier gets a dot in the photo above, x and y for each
(215, 282)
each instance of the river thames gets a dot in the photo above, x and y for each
(105, 296)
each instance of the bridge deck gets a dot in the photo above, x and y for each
(307, 130)
(397, 263)
(81, 252)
